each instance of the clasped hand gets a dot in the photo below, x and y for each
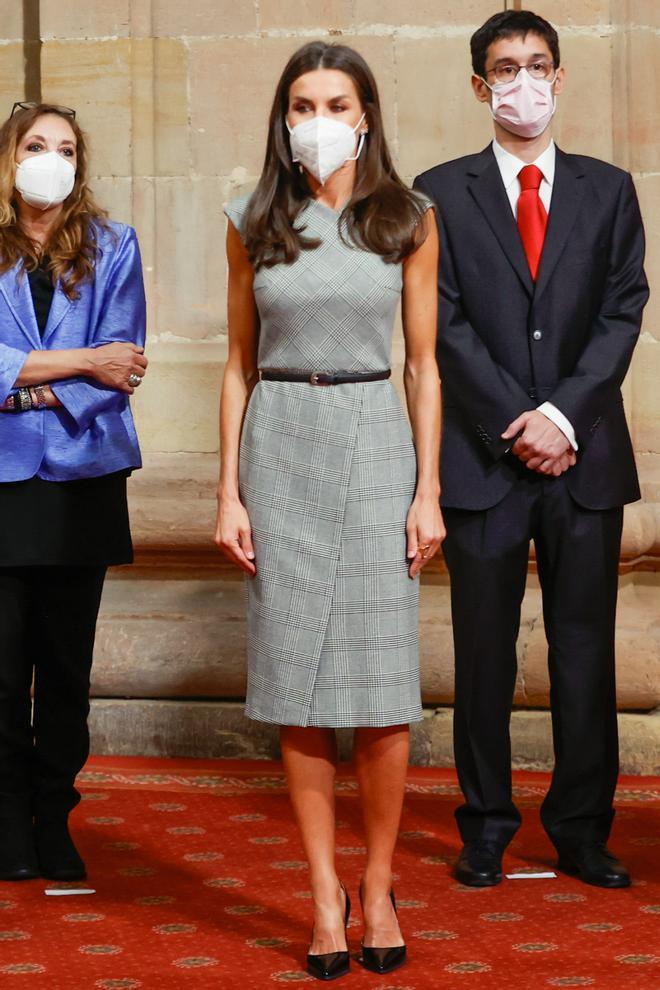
(541, 445)
(113, 364)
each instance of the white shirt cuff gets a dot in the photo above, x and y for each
(558, 418)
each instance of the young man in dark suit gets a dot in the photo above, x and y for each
(541, 295)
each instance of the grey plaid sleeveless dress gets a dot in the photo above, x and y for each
(327, 474)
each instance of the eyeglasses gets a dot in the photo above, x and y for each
(507, 71)
(67, 111)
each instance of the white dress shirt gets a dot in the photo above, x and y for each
(510, 167)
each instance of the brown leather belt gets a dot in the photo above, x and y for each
(322, 377)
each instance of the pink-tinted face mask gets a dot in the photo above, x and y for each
(525, 105)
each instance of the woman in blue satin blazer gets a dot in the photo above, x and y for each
(72, 325)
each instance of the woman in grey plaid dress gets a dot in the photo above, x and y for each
(325, 499)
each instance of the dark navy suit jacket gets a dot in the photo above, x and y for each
(506, 344)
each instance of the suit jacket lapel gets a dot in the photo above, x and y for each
(567, 191)
(58, 310)
(15, 288)
(486, 186)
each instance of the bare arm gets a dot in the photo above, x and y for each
(46, 366)
(43, 366)
(233, 534)
(422, 383)
(110, 364)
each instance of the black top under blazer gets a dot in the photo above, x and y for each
(506, 345)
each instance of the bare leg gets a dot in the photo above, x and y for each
(381, 761)
(310, 759)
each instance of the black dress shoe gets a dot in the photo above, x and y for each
(480, 864)
(593, 863)
(18, 859)
(331, 965)
(56, 853)
(383, 960)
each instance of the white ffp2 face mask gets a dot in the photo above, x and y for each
(45, 180)
(524, 106)
(323, 145)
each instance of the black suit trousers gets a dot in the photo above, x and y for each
(47, 628)
(577, 553)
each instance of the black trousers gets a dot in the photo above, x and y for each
(577, 554)
(47, 627)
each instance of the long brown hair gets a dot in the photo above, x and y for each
(382, 215)
(72, 243)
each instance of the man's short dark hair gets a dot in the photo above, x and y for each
(510, 24)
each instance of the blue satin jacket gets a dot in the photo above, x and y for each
(93, 433)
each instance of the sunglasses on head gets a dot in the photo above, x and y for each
(17, 107)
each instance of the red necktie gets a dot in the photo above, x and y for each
(532, 217)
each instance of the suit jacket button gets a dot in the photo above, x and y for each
(537, 334)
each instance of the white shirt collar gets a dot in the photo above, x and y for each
(510, 165)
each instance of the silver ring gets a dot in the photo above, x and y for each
(134, 380)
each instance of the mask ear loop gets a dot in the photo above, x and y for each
(554, 95)
(359, 148)
(290, 130)
(363, 136)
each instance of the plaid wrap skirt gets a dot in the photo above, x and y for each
(327, 475)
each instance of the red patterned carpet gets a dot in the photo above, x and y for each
(200, 884)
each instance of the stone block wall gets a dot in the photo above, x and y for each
(175, 99)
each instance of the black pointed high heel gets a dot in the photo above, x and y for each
(382, 960)
(331, 965)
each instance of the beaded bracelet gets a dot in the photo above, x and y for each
(39, 397)
(22, 400)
